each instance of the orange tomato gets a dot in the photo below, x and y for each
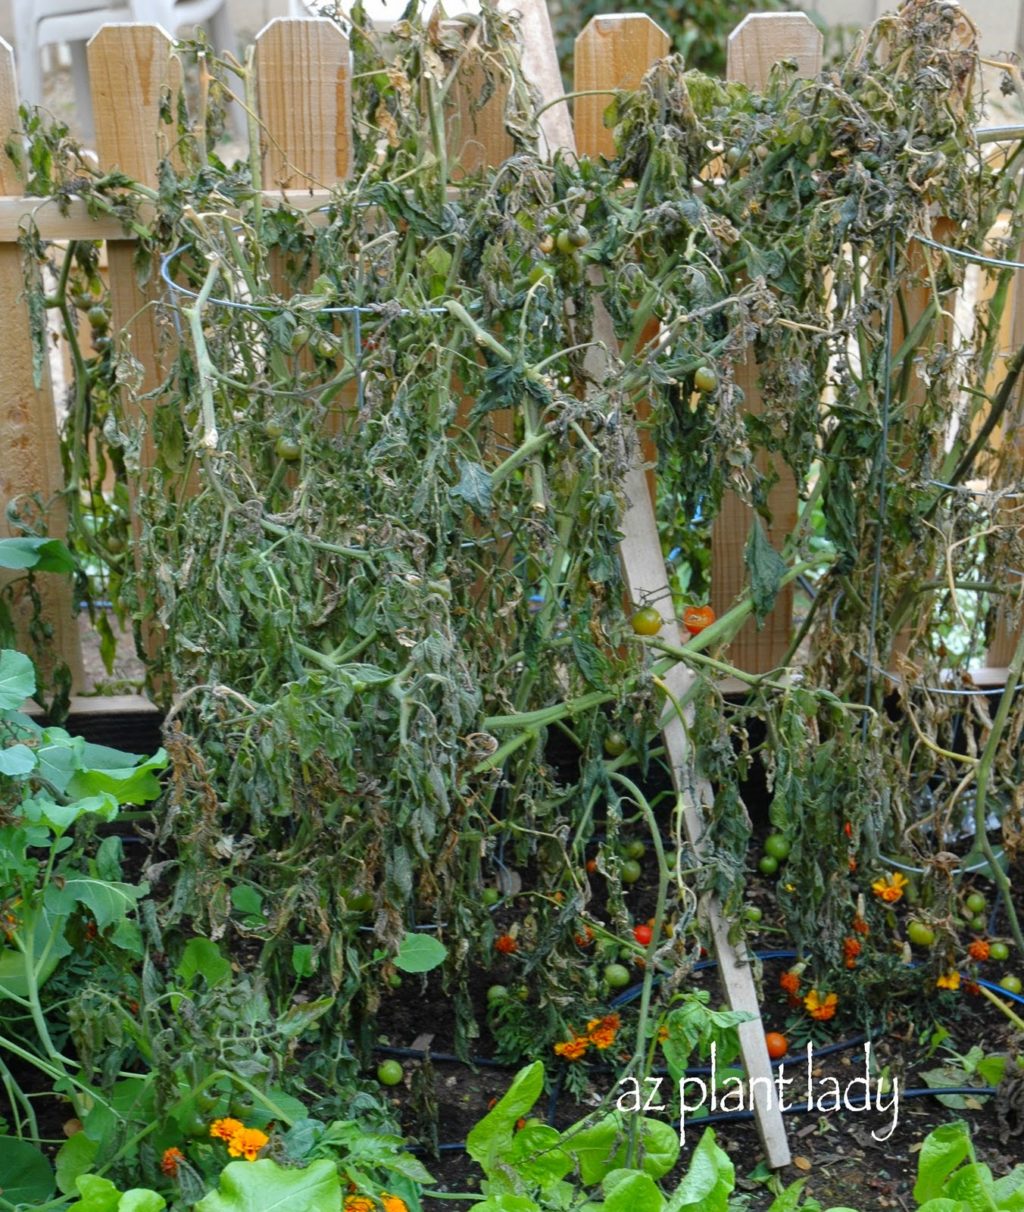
(777, 1044)
(696, 618)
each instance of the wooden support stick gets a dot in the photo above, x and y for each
(644, 569)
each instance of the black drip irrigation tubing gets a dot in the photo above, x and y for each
(718, 1117)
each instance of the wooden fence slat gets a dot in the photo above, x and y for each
(615, 52)
(647, 581)
(621, 48)
(130, 69)
(755, 45)
(305, 103)
(475, 134)
(30, 460)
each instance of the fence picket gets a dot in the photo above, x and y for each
(755, 45)
(31, 461)
(305, 104)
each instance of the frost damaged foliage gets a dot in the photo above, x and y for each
(379, 547)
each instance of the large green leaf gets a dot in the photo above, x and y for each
(17, 760)
(97, 1194)
(25, 1175)
(36, 925)
(632, 1191)
(264, 1186)
(107, 901)
(74, 1158)
(17, 679)
(60, 817)
(45, 555)
(420, 953)
(942, 1151)
(202, 957)
(601, 1147)
(708, 1182)
(492, 1136)
(121, 775)
(141, 1199)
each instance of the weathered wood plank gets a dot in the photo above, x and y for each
(758, 42)
(305, 104)
(30, 461)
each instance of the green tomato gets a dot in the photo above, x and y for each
(299, 338)
(395, 980)
(616, 976)
(288, 449)
(635, 849)
(390, 1073)
(920, 934)
(273, 427)
(490, 895)
(976, 903)
(999, 952)
(615, 744)
(777, 846)
(564, 242)
(578, 236)
(979, 922)
(647, 621)
(497, 993)
(768, 864)
(1011, 983)
(99, 318)
(753, 913)
(705, 379)
(630, 871)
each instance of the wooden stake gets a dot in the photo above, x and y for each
(758, 42)
(644, 568)
(30, 461)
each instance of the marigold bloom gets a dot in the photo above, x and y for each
(601, 1032)
(889, 888)
(574, 1048)
(225, 1129)
(171, 1159)
(978, 949)
(247, 1143)
(821, 1008)
(860, 926)
(358, 1203)
(393, 1203)
(790, 982)
(506, 944)
(851, 949)
(948, 980)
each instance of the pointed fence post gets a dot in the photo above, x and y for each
(755, 45)
(647, 581)
(30, 459)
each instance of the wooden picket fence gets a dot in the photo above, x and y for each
(302, 70)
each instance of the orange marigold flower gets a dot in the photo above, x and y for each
(851, 949)
(171, 1159)
(358, 1203)
(848, 829)
(601, 1032)
(393, 1203)
(948, 980)
(247, 1143)
(860, 926)
(978, 949)
(790, 982)
(889, 888)
(574, 1048)
(506, 944)
(225, 1129)
(821, 1008)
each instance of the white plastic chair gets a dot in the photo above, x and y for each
(39, 23)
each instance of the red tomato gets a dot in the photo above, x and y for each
(696, 618)
(643, 934)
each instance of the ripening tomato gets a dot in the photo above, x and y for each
(647, 621)
(696, 618)
(777, 1044)
(705, 379)
(615, 744)
(643, 934)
